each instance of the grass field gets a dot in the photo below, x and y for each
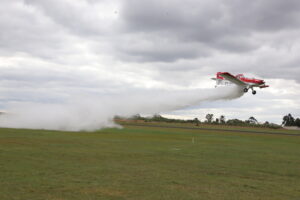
(148, 163)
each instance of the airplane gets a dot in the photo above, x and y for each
(225, 78)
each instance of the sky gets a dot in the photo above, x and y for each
(53, 49)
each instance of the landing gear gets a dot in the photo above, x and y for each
(253, 91)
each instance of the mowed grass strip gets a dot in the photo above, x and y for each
(148, 163)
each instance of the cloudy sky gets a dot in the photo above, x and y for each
(51, 49)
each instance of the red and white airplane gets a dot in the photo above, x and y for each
(225, 78)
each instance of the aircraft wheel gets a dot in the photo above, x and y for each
(253, 92)
(245, 90)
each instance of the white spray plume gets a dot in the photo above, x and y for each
(92, 113)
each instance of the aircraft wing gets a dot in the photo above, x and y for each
(232, 79)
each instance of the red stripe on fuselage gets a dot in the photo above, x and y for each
(252, 80)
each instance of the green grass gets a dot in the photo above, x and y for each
(148, 163)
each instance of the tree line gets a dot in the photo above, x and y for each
(288, 120)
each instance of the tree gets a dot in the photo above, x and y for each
(222, 119)
(157, 118)
(297, 122)
(209, 118)
(217, 120)
(136, 117)
(252, 120)
(288, 120)
(196, 121)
